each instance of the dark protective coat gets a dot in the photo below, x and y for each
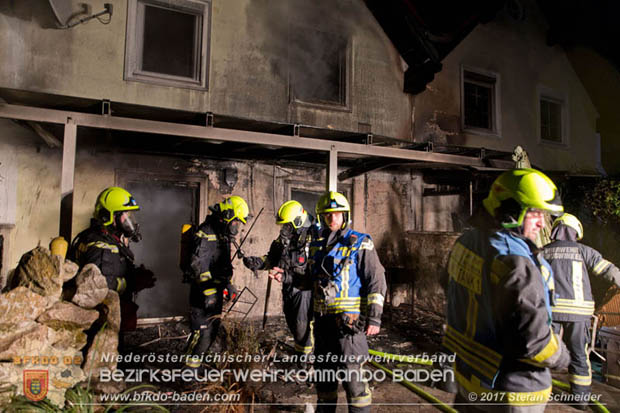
(211, 269)
(573, 264)
(96, 245)
(292, 256)
(499, 318)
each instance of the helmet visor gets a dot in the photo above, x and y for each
(127, 222)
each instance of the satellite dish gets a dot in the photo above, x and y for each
(62, 10)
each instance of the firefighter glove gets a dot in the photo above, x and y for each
(230, 293)
(253, 263)
(144, 278)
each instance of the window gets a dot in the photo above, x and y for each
(308, 199)
(308, 193)
(551, 120)
(318, 62)
(167, 42)
(479, 101)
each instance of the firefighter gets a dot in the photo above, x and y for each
(499, 292)
(286, 262)
(349, 291)
(105, 243)
(211, 273)
(572, 262)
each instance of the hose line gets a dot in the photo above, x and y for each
(425, 395)
(398, 357)
(594, 404)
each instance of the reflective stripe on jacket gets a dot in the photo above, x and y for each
(95, 245)
(572, 264)
(352, 264)
(499, 316)
(210, 263)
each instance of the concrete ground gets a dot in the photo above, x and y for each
(404, 331)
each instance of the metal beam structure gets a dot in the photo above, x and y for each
(332, 170)
(227, 135)
(67, 179)
(72, 120)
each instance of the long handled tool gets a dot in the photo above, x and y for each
(269, 280)
(239, 252)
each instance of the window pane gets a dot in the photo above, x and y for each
(478, 109)
(550, 121)
(318, 65)
(307, 199)
(169, 42)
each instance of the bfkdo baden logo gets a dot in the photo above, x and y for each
(35, 384)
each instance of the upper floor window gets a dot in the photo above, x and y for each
(551, 120)
(480, 101)
(319, 63)
(167, 42)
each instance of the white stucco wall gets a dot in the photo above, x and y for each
(248, 70)
(517, 52)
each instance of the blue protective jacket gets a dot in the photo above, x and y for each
(349, 279)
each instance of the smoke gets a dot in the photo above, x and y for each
(164, 207)
(309, 43)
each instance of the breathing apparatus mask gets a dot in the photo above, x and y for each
(127, 226)
(286, 233)
(232, 228)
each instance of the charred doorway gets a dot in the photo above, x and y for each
(165, 205)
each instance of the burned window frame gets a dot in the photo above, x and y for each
(134, 43)
(554, 97)
(346, 61)
(490, 80)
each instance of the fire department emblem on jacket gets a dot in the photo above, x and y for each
(35, 384)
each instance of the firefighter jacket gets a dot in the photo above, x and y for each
(98, 246)
(211, 264)
(292, 256)
(348, 277)
(572, 262)
(499, 319)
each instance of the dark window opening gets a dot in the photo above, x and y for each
(168, 43)
(306, 198)
(550, 120)
(171, 42)
(479, 101)
(309, 198)
(318, 63)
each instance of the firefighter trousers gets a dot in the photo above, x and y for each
(576, 336)
(297, 306)
(350, 352)
(205, 323)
